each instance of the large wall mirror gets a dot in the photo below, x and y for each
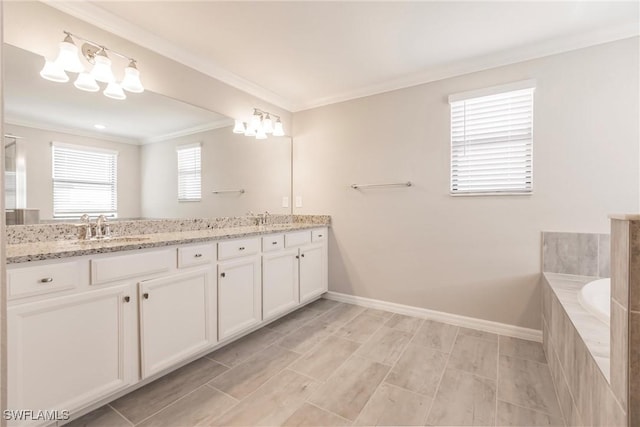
(146, 132)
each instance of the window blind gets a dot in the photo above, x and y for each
(189, 173)
(84, 181)
(492, 141)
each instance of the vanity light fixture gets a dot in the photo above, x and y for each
(260, 125)
(68, 60)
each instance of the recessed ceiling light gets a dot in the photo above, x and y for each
(100, 127)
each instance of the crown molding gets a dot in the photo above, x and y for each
(480, 63)
(189, 131)
(114, 24)
(71, 131)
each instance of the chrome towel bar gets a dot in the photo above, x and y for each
(241, 191)
(393, 184)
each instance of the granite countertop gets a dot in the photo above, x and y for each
(55, 249)
(594, 332)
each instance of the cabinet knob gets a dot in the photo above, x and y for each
(223, 274)
(297, 257)
(241, 248)
(46, 280)
(274, 243)
(319, 235)
(302, 255)
(197, 255)
(127, 298)
(145, 295)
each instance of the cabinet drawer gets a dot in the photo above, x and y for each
(298, 238)
(237, 248)
(110, 269)
(189, 256)
(319, 235)
(272, 243)
(23, 282)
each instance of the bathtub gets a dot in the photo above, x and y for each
(595, 297)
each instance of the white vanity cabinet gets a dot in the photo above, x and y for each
(312, 261)
(177, 318)
(67, 351)
(280, 291)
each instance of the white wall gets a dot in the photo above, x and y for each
(474, 256)
(229, 161)
(37, 148)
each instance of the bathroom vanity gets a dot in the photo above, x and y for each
(89, 321)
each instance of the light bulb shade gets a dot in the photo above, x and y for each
(114, 91)
(86, 82)
(54, 72)
(255, 121)
(249, 131)
(131, 82)
(260, 133)
(238, 127)
(278, 129)
(267, 124)
(101, 70)
(68, 57)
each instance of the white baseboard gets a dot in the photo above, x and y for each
(454, 319)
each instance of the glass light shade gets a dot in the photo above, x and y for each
(86, 82)
(53, 72)
(131, 82)
(278, 129)
(114, 91)
(238, 127)
(255, 121)
(267, 124)
(101, 70)
(249, 131)
(260, 134)
(68, 57)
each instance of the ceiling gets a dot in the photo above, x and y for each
(146, 117)
(299, 55)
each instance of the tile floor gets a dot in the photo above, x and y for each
(335, 364)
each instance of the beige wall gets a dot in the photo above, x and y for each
(37, 149)
(473, 256)
(229, 161)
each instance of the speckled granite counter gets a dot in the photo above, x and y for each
(54, 249)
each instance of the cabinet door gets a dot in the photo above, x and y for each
(313, 273)
(239, 296)
(175, 318)
(67, 352)
(280, 290)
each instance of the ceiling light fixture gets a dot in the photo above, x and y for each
(260, 125)
(68, 60)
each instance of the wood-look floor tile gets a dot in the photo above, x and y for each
(245, 378)
(238, 351)
(393, 406)
(478, 334)
(475, 355)
(311, 416)
(147, 400)
(340, 314)
(347, 391)
(293, 321)
(361, 328)
(527, 383)
(404, 323)
(199, 408)
(104, 416)
(307, 337)
(381, 313)
(523, 349)
(436, 335)
(419, 370)
(273, 403)
(328, 355)
(324, 304)
(512, 415)
(385, 346)
(464, 399)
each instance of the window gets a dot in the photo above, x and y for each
(84, 181)
(189, 173)
(492, 140)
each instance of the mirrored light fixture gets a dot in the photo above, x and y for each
(68, 60)
(260, 125)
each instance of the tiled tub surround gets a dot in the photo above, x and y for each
(583, 254)
(52, 241)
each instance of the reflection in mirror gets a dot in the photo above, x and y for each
(145, 130)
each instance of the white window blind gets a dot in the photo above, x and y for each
(189, 173)
(492, 140)
(84, 181)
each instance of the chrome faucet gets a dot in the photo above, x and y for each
(263, 218)
(102, 227)
(84, 219)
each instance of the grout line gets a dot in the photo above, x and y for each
(435, 393)
(170, 404)
(326, 410)
(528, 409)
(218, 362)
(217, 389)
(120, 413)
